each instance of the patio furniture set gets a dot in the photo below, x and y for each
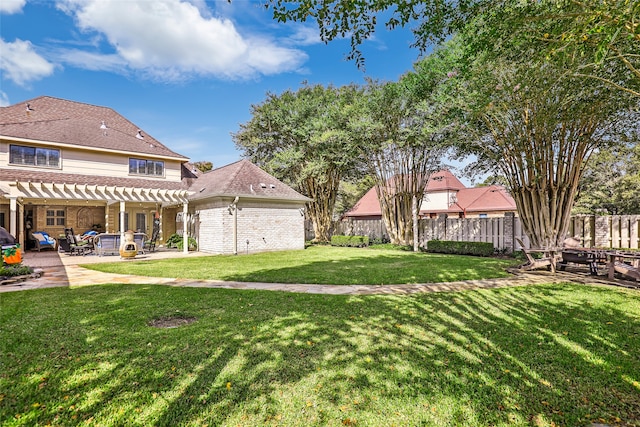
(625, 264)
(90, 242)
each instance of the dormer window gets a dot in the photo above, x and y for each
(146, 167)
(34, 156)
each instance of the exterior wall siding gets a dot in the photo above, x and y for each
(261, 226)
(95, 163)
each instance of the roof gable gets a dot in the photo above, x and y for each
(243, 179)
(443, 180)
(56, 120)
(483, 199)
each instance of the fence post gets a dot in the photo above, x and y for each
(509, 232)
(603, 238)
(442, 226)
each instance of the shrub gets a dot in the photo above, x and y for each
(391, 246)
(350, 241)
(460, 248)
(15, 270)
(176, 241)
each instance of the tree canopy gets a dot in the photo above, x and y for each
(303, 139)
(611, 182)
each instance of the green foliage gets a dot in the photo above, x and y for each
(460, 248)
(15, 270)
(176, 241)
(303, 139)
(611, 182)
(173, 240)
(203, 166)
(350, 241)
(431, 21)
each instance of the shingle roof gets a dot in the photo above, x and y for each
(444, 180)
(484, 199)
(477, 199)
(36, 176)
(242, 178)
(56, 120)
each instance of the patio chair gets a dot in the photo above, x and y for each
(547, 261)
(107, 243)
(75, 246)
(42, 240)
(138, 239)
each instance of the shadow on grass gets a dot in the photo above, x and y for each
(323, 266)
(521, 356)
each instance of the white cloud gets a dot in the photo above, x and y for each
(11, 6)
(4, 99)
(20, 63)
(305, 35)
(172, 40)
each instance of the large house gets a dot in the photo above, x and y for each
(65, 164)
(445, 194)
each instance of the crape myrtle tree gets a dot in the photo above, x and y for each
(537, 125)
(402, 147)
(302, 138)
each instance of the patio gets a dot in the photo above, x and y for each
(48, 259)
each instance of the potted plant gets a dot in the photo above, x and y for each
(11, 254)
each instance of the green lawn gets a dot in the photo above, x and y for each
(523, 356)
(321, 265)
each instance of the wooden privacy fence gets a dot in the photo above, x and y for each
(611, 231)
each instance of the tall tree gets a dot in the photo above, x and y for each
(303, 139)
(203, 166)
(402, 147)
(537, 125)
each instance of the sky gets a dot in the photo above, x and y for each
(185, 72)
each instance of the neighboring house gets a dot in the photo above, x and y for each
(69, 164)
(445, 194)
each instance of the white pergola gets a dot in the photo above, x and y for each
(18, 191)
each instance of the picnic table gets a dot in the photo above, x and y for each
(589, 256)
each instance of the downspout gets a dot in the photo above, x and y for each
(185, 229)
(234, 207)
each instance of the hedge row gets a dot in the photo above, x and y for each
(350, 241)
(460, 248)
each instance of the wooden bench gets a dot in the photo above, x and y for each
(626, 264)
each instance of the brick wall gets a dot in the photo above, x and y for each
(265, 226)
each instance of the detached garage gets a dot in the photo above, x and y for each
(239, 208)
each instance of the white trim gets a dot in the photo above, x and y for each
(81, 147)
(52, 191)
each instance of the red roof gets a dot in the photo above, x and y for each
(443, 180)
(483, 199)
(477, 199)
